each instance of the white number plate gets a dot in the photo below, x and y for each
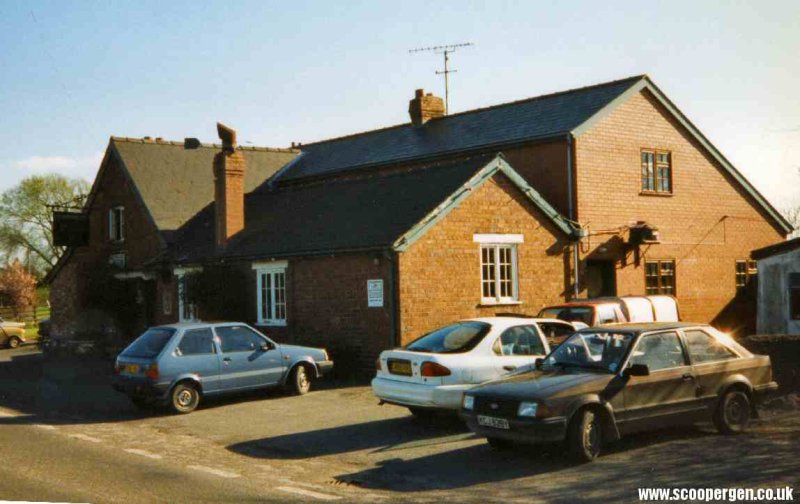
(497, 423)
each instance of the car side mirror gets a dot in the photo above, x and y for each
(538, 363)
(636, 370)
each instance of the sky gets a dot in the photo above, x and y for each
(74, 73)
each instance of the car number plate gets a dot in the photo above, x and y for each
(131, 369)
(400, 367)
(497, 423)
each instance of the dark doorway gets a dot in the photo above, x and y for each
(601, 278)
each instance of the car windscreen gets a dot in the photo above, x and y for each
(150, 343)
(455, 338)
(591, 350)
(583, 314)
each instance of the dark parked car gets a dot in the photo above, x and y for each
(604, 382)
(177, 365)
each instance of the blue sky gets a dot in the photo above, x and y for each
(74, 73)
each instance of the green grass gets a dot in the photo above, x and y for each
(32, 333)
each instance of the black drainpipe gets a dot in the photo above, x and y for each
(394, 309)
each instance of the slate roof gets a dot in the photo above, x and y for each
(778, 248)
(533, 118)
(355, 214)
(176, 183)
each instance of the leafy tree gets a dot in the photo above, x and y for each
(18, 287)
(26, 219)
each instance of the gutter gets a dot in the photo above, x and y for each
(572, 215)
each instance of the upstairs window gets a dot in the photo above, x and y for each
(746, 272)
(116, 224)
(659, 277)
(656, 171)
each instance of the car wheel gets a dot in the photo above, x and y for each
(299, 380)
(500, 444)
(13, 342)
(733, 412)
(585, 436)
(184, 398)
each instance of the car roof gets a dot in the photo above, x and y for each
(197, 325)
(584, 302)
(639, 327)
(505, 321)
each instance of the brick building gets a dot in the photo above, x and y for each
(363, 242)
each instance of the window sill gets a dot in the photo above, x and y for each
(656, 193)
(487, 302)
(271, 324)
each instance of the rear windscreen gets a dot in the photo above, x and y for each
(570, 314)
(150, 343)
(454, 338)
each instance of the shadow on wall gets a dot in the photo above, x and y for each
(738, 317)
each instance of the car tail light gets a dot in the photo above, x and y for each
(433, 369)
(152, 372)
(117, 368)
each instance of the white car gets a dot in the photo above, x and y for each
(433, 372)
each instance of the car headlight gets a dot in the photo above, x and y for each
(469, 402)
(527, 409)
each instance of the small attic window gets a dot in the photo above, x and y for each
(116, 224)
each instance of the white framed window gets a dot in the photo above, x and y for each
(271, 293)
(499, 269)
(187, 312)
(116, 224)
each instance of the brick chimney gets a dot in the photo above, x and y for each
(425, 107)
(229, 166)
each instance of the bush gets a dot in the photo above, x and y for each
(219, 292)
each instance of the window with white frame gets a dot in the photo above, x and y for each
(187, 312)
(271, 293)
(499, 270)
(116, 222)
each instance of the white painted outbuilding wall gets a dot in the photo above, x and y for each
(773, 293)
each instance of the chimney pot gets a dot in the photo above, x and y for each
(423, 108)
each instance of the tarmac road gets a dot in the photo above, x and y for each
(69, 437)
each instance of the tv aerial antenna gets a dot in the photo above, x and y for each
(444, 50)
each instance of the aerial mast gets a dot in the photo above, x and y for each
(444, 50)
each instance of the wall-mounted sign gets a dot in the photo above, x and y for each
(375, 293)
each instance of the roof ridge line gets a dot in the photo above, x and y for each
(175, 143)
(489, 107)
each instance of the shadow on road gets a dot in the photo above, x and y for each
(77, 390)
(690, 458)
(395, 434)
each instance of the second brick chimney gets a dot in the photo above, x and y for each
(229, 167)
(425, 107)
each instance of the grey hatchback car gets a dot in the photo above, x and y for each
(176, 365)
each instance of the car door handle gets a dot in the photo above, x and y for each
(687, 377)
(509, 368)
(226, 359)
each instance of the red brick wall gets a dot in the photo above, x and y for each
(440, 273)
(705, 225)
(327, 307)
(544, 166)
(141, 243)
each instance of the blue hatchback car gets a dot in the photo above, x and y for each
(177, 365)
